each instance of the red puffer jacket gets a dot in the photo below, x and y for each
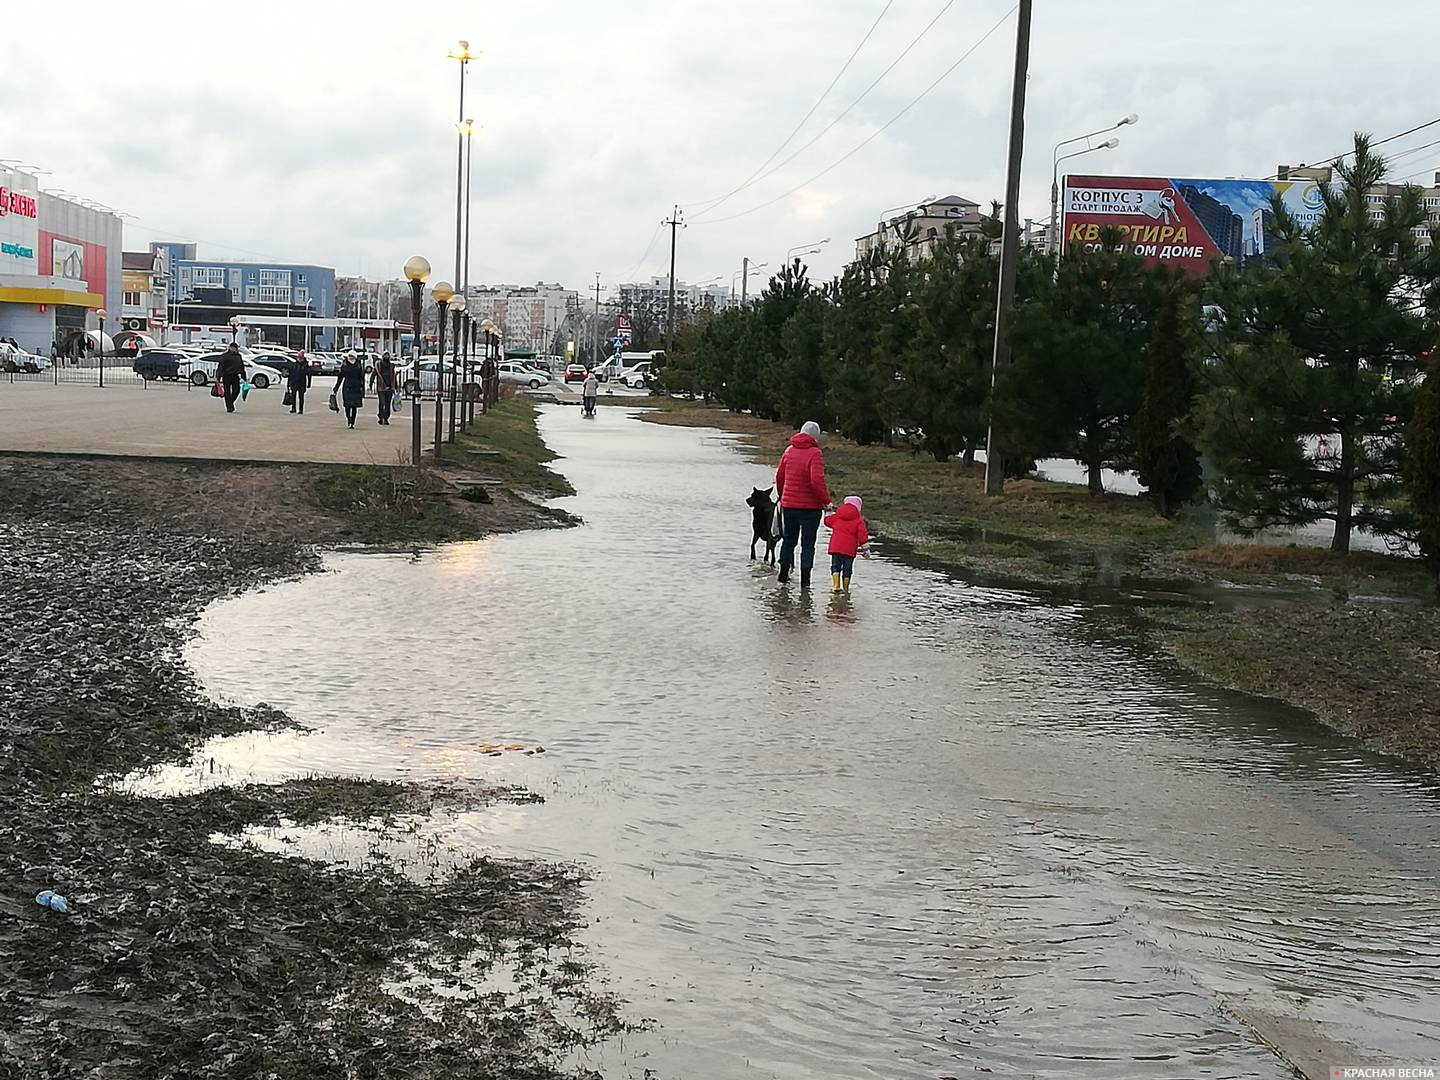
(800, 479)
(847, 531)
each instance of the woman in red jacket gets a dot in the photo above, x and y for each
(801, 491)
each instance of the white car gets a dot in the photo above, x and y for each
(13, 358)
(512, 371)
(203, 370)
(639, 376)
(428, 376)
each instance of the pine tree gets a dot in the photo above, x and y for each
(1168, 463)
(1302, 352)
(1422, 469)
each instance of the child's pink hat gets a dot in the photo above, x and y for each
(855, 501)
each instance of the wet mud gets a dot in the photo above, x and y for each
(189, 950)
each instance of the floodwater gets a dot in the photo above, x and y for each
(927, 831)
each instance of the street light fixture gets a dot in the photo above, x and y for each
(417, 271)
(442, 292)
(100, 341)
(490, 331)
(457, 306)
(745, 279)
(1056, 158)
(814, 246)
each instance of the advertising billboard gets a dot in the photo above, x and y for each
(19, 223)
(1190, 224)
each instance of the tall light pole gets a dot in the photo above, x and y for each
(441, 292)
(467, 408)
(100, 341)
(417, 270)
(462, 53)
(1010, 242)
(1053, 247)
(457, 306)
(747, 270)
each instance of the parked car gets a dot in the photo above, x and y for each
(15, 359)
(512, 371)
(638, 377)
(202, 370)
(427, 377)
(267, 368)
(576, 373)
(167, 364)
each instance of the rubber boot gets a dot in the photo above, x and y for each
(845, 585)
(834, 582)
(784, 576)
(804, 579)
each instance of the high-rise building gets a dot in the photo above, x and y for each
(529, 317)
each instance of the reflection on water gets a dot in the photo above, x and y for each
(921, 831)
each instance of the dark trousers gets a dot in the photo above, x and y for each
(350, 411)
(844, 565)
(387, 399)
(800, 527)
(298, 396)
(232, 391)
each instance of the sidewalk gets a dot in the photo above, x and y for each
(171, 421)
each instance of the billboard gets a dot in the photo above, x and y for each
(19, 223)
(1183, 223)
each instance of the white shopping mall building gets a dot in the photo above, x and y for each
(59, 264)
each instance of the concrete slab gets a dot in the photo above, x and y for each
(168, 420)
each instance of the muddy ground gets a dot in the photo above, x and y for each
(183, 957)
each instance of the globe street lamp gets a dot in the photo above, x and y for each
(488, 329)
(417, 271)
(441, 292)
(1109, 144)
(100, 341)
(457, 307)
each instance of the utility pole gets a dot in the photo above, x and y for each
(595, 327)
(1010, 242)
(675, 224)
(744, 280)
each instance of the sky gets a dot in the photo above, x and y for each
(324, 132)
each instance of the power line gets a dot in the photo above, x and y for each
(640, 261)
(806, 118)
(1380, 142)
(879, 131)
(848, 108)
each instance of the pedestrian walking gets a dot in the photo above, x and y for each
(351, 386)
(803, 496)
(848, 536)
(297, 381)
(385, 386)
(231, 371)
(589, 391)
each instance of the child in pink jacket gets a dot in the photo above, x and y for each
(848, 534)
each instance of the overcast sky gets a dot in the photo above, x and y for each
(324, 132)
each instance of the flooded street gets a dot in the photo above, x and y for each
(926, 831)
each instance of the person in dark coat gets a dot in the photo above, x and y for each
(351, 386)
(230, 371)
(297, 381)
(385, 386)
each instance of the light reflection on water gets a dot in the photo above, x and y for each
(926, 829)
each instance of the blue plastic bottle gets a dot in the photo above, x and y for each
(54, 901)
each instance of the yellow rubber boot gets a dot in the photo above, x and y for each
(845, 585)
(835, 582)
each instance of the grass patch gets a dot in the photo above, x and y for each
(505, 444)
(383, 507)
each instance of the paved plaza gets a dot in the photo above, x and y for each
(173, 421)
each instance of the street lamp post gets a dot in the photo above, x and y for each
(488, 329)
(100, 341)
(1133, 118)
(814, 246)
(417, 270)
(442, 292)
(457, 306)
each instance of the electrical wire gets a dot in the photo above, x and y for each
(844, 113)
(878, 132)
(630, 276)
(1378, 142)
(806, 118)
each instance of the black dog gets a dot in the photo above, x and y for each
(762, 510)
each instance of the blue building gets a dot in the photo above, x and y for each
(253, 288)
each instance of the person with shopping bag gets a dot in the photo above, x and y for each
(297, 381)
(230, 373)
(350, 385)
